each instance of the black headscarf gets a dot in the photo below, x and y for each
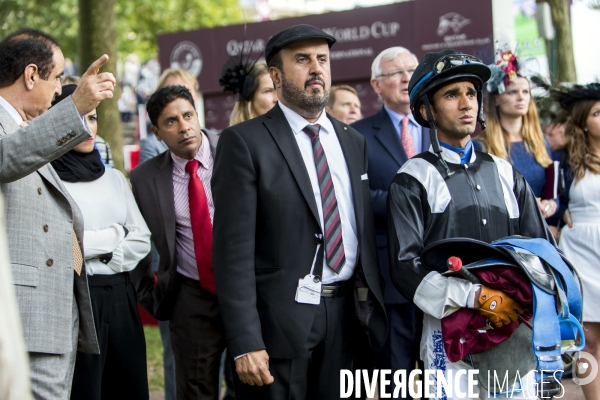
(74, 166)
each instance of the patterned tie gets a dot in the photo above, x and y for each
(334, 245)
(77, 256)
(201, 228)
(407, 139)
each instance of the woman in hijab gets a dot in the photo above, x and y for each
(115, 239)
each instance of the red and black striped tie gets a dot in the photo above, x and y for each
(334, 245)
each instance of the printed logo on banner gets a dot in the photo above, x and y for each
(449, 30)
(452, 21)
(186, 55)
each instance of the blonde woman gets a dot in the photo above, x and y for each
(513, 130)
(254, 88)
(580, 238)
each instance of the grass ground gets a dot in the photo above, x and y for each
(154, 358)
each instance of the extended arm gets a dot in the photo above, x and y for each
(46, 138)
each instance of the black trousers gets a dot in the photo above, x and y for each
(119, 371)
(314, 374)
(198, 340)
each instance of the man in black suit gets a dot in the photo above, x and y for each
(393, 137)
(294, 249)
(184, 294)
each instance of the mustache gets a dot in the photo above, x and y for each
(314, 79)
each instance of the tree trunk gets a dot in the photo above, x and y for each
(564, 41)
(97, 36)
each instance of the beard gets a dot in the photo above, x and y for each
(306, 104)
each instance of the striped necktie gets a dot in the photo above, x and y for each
(334, 245)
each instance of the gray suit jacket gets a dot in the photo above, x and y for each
(40, 218)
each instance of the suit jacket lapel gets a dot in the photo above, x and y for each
(354, 164)
(163, 182)
(281, 132)
(388, 136)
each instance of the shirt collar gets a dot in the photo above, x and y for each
(463, 152)
(396, 117)
(452, 157)
(297, 122)
(11, 110)
(203, 155)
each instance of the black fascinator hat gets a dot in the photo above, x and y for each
(237, 77)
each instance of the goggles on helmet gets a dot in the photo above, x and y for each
(445, 63)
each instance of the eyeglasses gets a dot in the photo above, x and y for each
(398, 73)
(454, 60)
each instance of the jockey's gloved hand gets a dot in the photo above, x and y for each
(498, 307)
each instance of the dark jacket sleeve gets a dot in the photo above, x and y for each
(405, 234)
(142, 275)
(234, 189)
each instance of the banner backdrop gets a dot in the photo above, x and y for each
(421, 26)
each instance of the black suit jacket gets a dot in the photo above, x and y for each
(265, 223)
(386, 156)
(152, 186)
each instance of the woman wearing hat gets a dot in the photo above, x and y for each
(513, 130)
(580, 238)
(116, 238)
(254, 88)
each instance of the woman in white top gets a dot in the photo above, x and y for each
(580, 238)
(115, 239)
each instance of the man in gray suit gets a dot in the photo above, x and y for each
(44, 225)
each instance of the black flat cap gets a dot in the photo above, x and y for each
(294, 34)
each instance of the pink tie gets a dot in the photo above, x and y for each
(407, 140)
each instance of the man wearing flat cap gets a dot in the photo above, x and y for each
(294, 247)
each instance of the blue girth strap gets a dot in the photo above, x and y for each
(549, 329)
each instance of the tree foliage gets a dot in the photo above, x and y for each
(138, 21)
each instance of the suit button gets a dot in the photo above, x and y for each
(39, 190)
(50, 262)
(45, 228)
(478, 187)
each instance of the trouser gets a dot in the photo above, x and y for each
(315, 372)
(52, 374)
(198, 340)
(119, 371)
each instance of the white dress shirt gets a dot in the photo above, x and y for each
(11, 110)
(341, 184)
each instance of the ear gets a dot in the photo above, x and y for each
(30, 76)
(275, 74)
(375, 86)
(423, 112)
(155, 131)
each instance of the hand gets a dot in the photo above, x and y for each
(93, 87)
(497, 306)
(548, 207)
(253, 368)
(567, 218)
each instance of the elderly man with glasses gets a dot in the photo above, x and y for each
(393, 136)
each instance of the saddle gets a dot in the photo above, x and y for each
(556, 308)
